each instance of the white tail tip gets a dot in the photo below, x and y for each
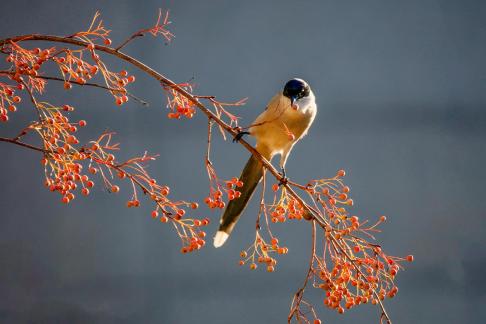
(220, 238)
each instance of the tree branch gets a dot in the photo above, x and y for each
(17, 142)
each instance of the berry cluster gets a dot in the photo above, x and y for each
(260, 252)
(216, 189)
(179, 105)
(286, 207)
(8, 99)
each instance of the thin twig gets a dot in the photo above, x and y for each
(91, 84)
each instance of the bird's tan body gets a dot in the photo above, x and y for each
(273, 128)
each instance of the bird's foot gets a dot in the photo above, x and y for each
(239, 136)
(283, 180)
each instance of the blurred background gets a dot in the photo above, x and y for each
(401, 93)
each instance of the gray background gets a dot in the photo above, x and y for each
(401, 93)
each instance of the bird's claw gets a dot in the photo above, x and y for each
(283, 180)
(239, 136)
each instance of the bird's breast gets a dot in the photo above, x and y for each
(281, 125)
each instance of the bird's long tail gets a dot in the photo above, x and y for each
(251, 176)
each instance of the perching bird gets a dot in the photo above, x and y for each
(284, 122)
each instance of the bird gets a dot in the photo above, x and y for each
(286, 119)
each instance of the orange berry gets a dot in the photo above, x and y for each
(123, 73)
(243, 254)
(90, 184)
(253, 266)
(115, 189)
(241, 262)
(356, 249)
(194, 205)
(382, 218)
(164, 191)
(107, 41)
(164, 219)
(410, 258)
(82, 123)
(275, 187)
(85, 191)
(181, 212)
(341, 173)
(17, 99)
(131, 78)
(67, 85)
(317, 321)
(119, 101)
(155, 214)
(270, 268)
(12, 108)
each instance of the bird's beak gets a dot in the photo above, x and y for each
(292, 101)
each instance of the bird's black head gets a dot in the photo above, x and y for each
(296, 89)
